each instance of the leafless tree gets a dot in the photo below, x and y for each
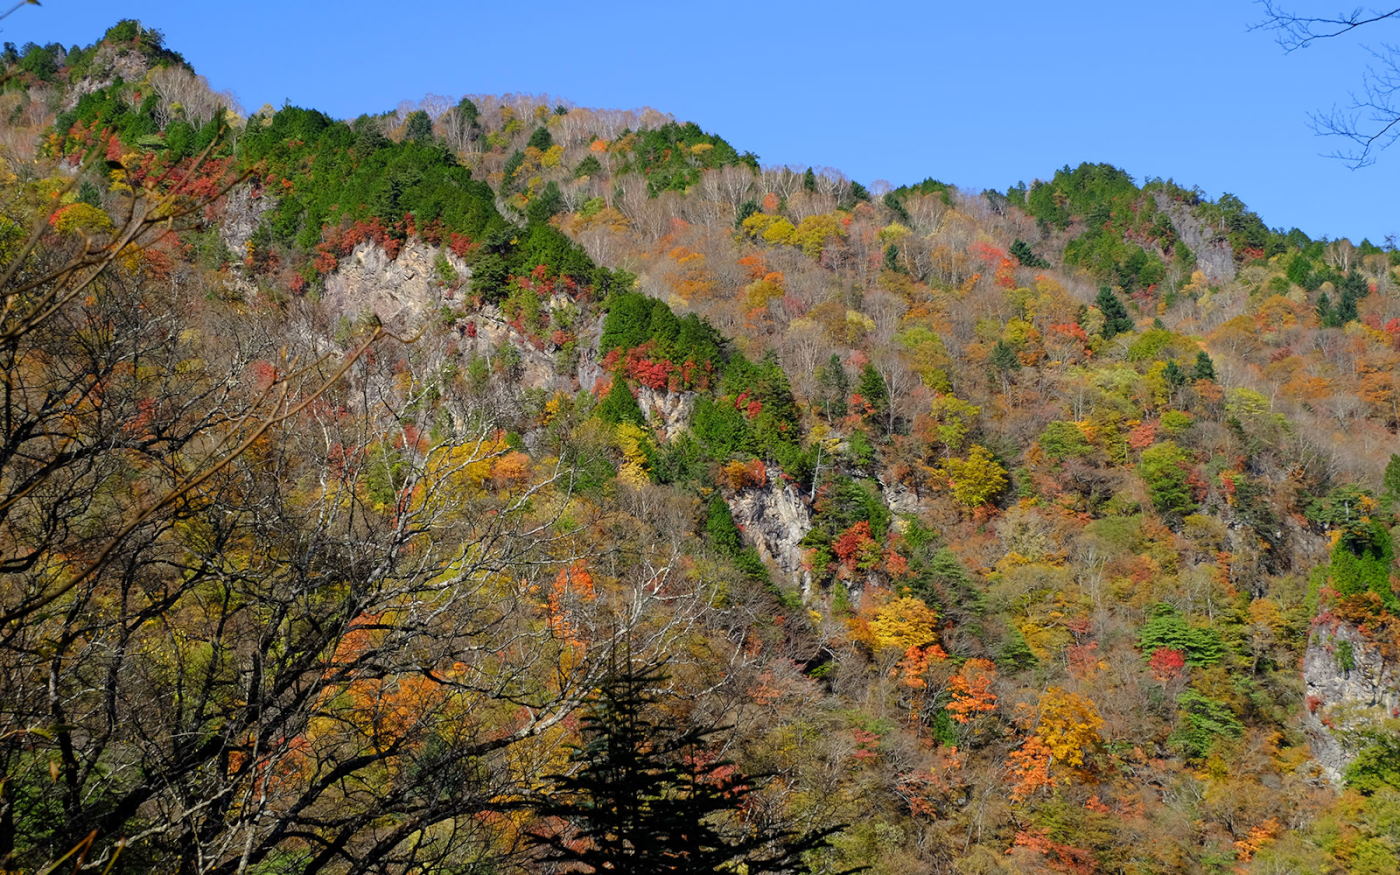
(181, 92)
(245, 617)
(1370, 121)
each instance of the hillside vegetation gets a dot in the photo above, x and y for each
(499, 485)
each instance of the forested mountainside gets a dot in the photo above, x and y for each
(497, 485)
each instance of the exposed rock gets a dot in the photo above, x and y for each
(1340, 699)
(670, 409)
(243, 209)
(589, 370)
(109, 63)
(401, 291)
(491, 335)
(774, 520)
(1214, 257)
(902, 502)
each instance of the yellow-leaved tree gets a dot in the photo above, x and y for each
(975, 479)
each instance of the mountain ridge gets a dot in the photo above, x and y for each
(995, 524)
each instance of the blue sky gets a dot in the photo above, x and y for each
(980, 95)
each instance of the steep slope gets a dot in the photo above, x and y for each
(996, 526)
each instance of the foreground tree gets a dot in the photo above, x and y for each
(643, 798)
(250, 615)
(1370, 123)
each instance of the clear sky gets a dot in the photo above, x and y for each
(977, 94)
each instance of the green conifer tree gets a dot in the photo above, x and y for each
(1204, 368)
(1390, 482)
(871, 388)
(1174, 375)
(1115, 315)
(418, 127)
(620, 405)
(541, 139)
(644, 798)
(1022, 252)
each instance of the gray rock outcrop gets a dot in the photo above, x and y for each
(243, 210)
(774, 520)
(401, 291)
(670, 410)
(1349, 686)
(1214, 257)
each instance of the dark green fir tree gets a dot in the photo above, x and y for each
(1204, 368)
(1115, 315)
(645, 799)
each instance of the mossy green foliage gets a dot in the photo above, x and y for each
(776, 421)
(338, 172)
(1377, 763)
(672, 156)
(1345, 655)
(1363, 561)
(1201, 722)
(1109, 256)
(841, 503)
(135, 124)
(634, 319)
(1247, 233)
(1164, 468)
(619, 405)
(939, 578)
(1166, 627)
(1064, 440)
(1113, 211)
(724, 536)
(720, 429)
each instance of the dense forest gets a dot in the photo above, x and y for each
(499, 485)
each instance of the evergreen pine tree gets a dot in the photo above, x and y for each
(892, 258)
(1022, 252)
(746, 209)
(1325, 314)
(1115, 315)
(1174, 375)
(540, 139)
(1352, 288)
(1390, 482)
(871, 388)
(418, 127)
(548, 202)
(620, 405)
(1204, 368)
(1004, 358)
(646, 799)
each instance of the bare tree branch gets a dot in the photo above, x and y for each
(1370, 122)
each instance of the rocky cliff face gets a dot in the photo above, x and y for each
(1214, 258)
(671, 410)
(487, 333)
(243, 210)
(109, 63)
(1349, 685)
(774, 519)
(401, 291)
